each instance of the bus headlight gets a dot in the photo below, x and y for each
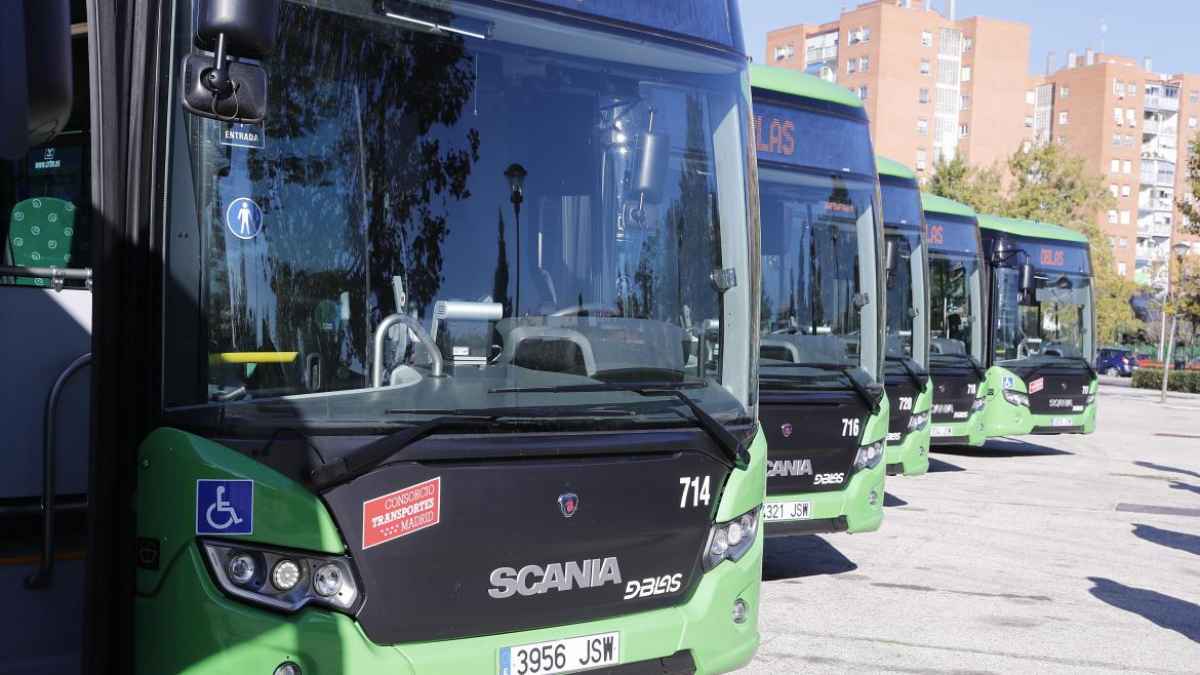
(281, 580)
(731, 539)
(869, 456)
(918, 421)
(1016, 398)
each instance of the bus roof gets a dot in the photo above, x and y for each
(936, 204)
(794, 83)
(890, 167)
(1030, 228)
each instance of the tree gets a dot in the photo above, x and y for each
(1190, 203)
(1050, 184)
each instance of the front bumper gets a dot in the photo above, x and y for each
(190, 626)
(858, 507)
(1078, 423)
(911, 456)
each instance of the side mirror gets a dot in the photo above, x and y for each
(221, 86)
(35, 79)
(1027, 283)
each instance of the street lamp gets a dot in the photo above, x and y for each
(1180, 249)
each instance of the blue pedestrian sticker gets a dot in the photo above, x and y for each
(224, 506)
(243, 218)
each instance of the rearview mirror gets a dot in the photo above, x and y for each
(36, 78)
(221, 86)
(650, 171)
(1027, 285)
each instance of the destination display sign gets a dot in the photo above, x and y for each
(1058, 257)
(802, 138)
(951, 235)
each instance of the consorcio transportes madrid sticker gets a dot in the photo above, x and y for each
(400, 513)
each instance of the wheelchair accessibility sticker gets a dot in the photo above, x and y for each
(224, 506)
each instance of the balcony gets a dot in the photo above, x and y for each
(1162, 103)
(1158, 172)
(1150, 127)
(1156, 205)
(1152, 229)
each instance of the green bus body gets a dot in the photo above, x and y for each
(829, 122)
(954, 243)
(908, 442)
(1009, 243)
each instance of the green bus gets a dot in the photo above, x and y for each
(424, 335)
(1041, 337)
(823, 406)
(957, 317)
(906, 266)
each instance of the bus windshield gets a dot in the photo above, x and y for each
(955, 289)
(819, 242)
(431, 219)
(907, 289)
(1054, 319)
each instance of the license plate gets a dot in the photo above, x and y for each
(1062, 422)
(941, 432)
(776, 511)
(571, 655)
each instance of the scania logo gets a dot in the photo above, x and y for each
(786, 429)
(536, 580)
(568, 503)
(789, 467)
(941, 388)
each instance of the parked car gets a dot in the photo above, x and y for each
(1116, 361)
(1142, 360)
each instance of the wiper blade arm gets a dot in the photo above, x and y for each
(918, 379)
(734, 449)
(362, 460)
(975, 364)
(847, 372)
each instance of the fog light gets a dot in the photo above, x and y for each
(740, 611)
(327, 580)
(286, 575)
(287, 668)
(241, 569)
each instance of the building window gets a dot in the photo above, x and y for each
(923, 95)
(924, 66)
(1115, 190)
(1029, 122)
(1131, 117)
(1118, 89)
(968, 43)
(1123, 270)
(1064, 118)
(1125, 191)
(784, 53)
(926, 38)
(964, 130)
(1064, 92)
(1112, 217)
(1026, 146)
(921, 159)
(1116, 140)
(965, 102)
(1118, 117)
(923, 126)
(1194, 96)
(1124, 242)
(1030, 97)
(864, 64)
(1124, 217)
(1127, 167)
(966, 74)
(863, 92)
(1191, 122)
(1116, 166)
(863, 34)
(852, 66)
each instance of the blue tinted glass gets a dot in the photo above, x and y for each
(705, 19)
(951, 235)
(805, 138)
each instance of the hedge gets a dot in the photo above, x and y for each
(1181, 380)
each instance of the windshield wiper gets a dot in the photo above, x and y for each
(918, 379)
(1038, 368)
(872, 400)
(733, 448)
(975, 365)
(371, 455)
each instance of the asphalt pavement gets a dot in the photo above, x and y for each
(1051, 554)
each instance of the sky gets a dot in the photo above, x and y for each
(1168, 33)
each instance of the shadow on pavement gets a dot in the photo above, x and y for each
(937, 466)
(1162, 610)
(804, 556)
(890, 499)
(1180, 541)
(1177, 485)
(1170, 469)
(1006, 447)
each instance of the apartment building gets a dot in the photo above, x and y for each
(1133, 126)
(933, 86)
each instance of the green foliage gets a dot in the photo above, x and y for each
(1187, 381)
(1189, 204)
(1050, 184)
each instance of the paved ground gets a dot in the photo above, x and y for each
(1068, 554)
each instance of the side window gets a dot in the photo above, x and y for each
(45, 197)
